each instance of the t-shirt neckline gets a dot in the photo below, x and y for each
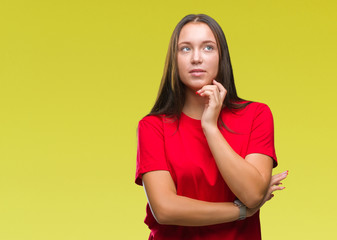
(190, 120)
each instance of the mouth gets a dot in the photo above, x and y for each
(197, 72)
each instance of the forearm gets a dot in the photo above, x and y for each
(183, 211)
(172, 209)
(243, 178)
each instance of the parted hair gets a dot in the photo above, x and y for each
(171, 94)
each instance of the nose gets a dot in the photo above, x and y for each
(196, 57)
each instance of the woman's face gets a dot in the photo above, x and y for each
(198, 56)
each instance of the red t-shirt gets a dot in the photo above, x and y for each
(184, 152)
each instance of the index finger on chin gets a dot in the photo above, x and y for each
(219, 85)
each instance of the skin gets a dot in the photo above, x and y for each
(197, 52)
(253, 186)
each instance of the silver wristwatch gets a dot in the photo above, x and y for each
(243, 209)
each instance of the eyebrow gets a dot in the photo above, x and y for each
(207, 41)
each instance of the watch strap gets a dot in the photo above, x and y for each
(243, 209)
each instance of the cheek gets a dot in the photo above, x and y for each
(212, 60)
(215, 65)
(181, 60)
(182, 66)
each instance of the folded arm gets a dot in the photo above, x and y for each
(247, 178)
(171, 209)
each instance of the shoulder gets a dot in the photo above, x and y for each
(151, 119)
(259, 107)
(261, 115)
(158, 120)
(151, 122)
(248, 108)
(255, 109)
(156, 123)
(253, 112)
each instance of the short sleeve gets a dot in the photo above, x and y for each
(262, 133)
(150, 148)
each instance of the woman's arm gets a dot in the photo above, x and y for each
(274, 185)
(247, 178)
(171, 209)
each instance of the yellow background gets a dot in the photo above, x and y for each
(77, 76)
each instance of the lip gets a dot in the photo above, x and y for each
(197, 72)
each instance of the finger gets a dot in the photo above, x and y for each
(222, 89)
(208, 87)
(212, 97)
(278, 177)
(275, 182)
(210, 90)
(269, 197)
(219, 85)
(275, 188)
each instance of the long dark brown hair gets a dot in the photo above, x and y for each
(171, 95)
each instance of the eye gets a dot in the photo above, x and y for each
(209, 48)
(185, 49)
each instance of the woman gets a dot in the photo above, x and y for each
(205, 156)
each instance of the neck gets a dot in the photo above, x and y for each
(194, 104)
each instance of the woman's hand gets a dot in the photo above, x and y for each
(214, 96)
(274, 185)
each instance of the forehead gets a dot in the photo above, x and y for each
(196, 32)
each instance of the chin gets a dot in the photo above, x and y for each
(196, 83)
(197, 86)
(203, 82)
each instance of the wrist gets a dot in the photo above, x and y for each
(252, 211)
(209, 129)
(243, 209)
